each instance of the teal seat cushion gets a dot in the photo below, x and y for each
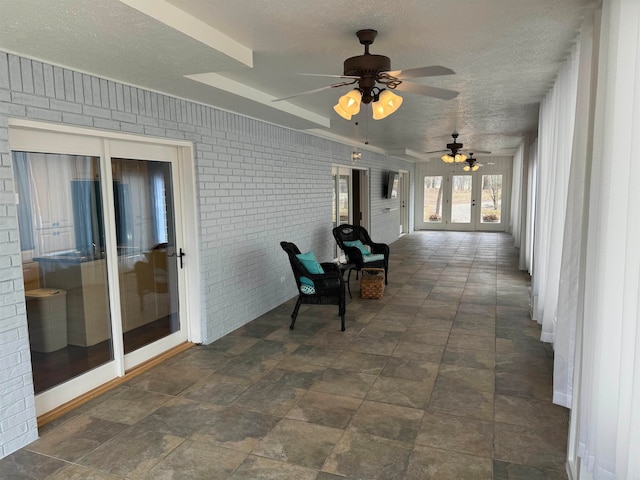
(358, 243)
(373, 257)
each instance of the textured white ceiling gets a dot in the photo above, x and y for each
(241, 54)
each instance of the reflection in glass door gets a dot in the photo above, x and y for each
(62, 243)
(145, 232)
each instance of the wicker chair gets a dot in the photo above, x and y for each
(328, 287)
(351, 233)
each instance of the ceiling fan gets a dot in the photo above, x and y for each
(374, 81)
(472, 164)
(454, 151)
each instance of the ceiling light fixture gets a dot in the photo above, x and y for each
(471, 166)
(383, 102)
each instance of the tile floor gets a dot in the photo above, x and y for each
(442, 378)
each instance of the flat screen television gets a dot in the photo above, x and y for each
(391, 187)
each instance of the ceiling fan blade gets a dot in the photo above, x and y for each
(421, 72)
(326, 75)
(474, 151)
(436, 92)
(439, 151)
(335, 85)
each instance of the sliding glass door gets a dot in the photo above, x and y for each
(102, 252)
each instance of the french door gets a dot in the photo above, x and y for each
(102, 248)
(457, 200)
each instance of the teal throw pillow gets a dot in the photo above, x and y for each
(361, 247)
(310, 262)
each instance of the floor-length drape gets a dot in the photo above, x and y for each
(608, 407)
(555, 139)
(570, 289)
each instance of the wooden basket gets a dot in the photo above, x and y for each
(371, 282)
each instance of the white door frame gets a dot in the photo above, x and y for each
(42, 137)
(491, 165)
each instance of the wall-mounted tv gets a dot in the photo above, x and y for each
(391, 186)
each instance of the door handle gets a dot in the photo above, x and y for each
(179, 255)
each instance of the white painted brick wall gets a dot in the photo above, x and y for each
(258, 184)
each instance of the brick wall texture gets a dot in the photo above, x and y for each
(257, 184)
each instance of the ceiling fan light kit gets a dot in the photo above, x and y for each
(455, 155)
(375, 82)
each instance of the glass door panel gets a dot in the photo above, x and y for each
(63, 253)
(433, 190)
(344, 199)
(461, 199)
(145, 233)
(491, 210)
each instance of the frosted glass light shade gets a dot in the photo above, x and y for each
(340, 111)
(446, 158)
(460, 157)
(388, 102)
(350, 102)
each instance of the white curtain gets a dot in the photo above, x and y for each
(515, 222)
(608, 406)
(555, 139)
(526, 258)
(570, 290)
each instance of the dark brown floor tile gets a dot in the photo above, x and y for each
(235, 428)
(300, 443)
(166, 379)
(325, 409)
(293, 373)
(511, 471)
(517, 385)
(132, 453)
(409, 369)
(473, 404)
(180, 417)
(254, 468)
(430, 463)
(74, 439)
(469, 358)
(361, 362)
(529, 412)
(419, 351)
(459, 434)
(271, 398)
(217, 389)
(462, 379)
(388, 421)
(27, 465)
(397, 391)
(344, 382)
(197, 461)
(472, 342)
(361, 456)
(544, 448)
(129, 406)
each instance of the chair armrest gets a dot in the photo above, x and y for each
(380, 248)
(354, 255)
(330, 267)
